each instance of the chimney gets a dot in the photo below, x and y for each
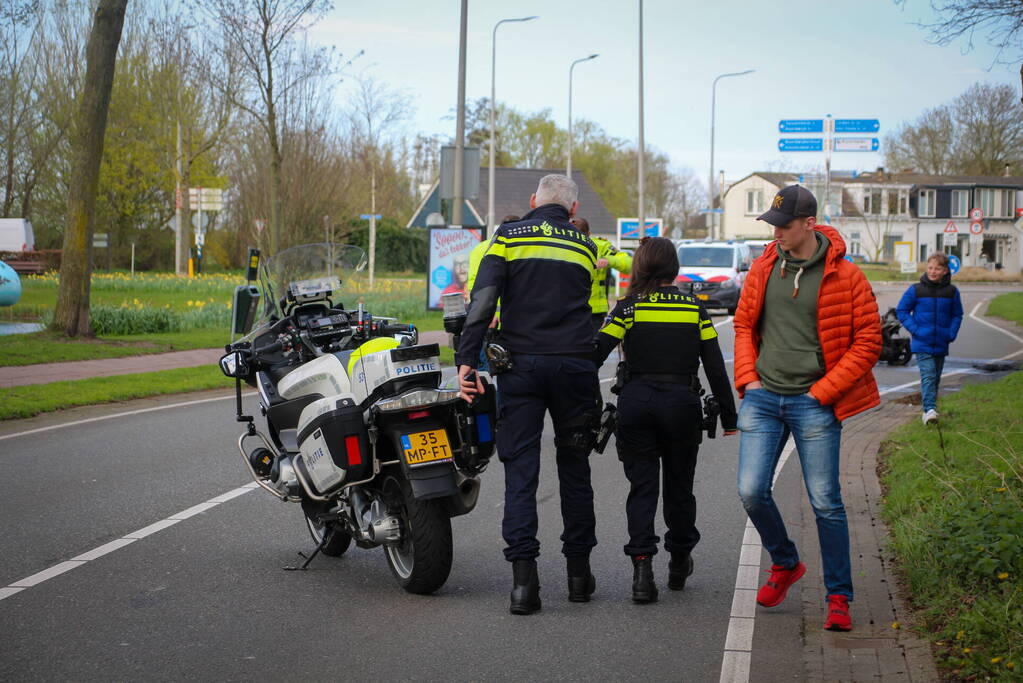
(1006, 174)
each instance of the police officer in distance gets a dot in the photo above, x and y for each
(608, 257)
(665, 335)
(541, 269)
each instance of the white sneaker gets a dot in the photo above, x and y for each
(930, 416)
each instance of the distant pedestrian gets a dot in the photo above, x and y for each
(608, 257)
(932, 312)
(807, 336)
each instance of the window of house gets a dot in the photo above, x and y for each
(1007, 203)
(854, 235)
(927, 201)
(960, 203)
(871, 201)
(754, 202)
(898, 202)
(986, 201)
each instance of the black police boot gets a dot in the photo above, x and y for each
(525, 595)
(644, 589)
(581, 582)
(679, 569)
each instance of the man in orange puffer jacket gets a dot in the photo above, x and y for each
(807, 336)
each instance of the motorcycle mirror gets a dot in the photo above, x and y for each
(233, 365)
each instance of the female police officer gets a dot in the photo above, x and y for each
(665, 334)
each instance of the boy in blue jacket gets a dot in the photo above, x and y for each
(932, 312)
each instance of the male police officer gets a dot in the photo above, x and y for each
(541, 268)
(608, 257)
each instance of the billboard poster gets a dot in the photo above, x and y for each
(448, 268)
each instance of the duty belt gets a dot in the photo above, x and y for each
(671, 378)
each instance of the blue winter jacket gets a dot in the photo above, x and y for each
(932, 312)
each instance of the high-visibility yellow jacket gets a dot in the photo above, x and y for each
(618, 260)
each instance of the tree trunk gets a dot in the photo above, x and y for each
(72, 312)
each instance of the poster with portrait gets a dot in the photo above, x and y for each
(448, 268)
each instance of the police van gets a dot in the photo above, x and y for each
(16, 235)
(714, 271)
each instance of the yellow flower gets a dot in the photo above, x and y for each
(1001, 489)
(960, 634)
(967, 650)
(1010, 665)
(995, 660)
(1003, 576)
(896, 625)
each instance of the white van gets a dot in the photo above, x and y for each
(714, 272)
(16, 235)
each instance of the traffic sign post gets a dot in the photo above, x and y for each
(954, 264)
(628, 229)
(855, 144)
(801, 144)
(857, 125)
(950, 237)
(801, 126)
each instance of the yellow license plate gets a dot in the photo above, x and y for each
(703, 297)
(425, 447)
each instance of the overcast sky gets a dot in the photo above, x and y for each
(848, 58)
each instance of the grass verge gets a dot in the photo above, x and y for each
(954, 504)
(47, 347)
(27, 401)
(1008, 306)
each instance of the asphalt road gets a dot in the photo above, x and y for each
(204, 596)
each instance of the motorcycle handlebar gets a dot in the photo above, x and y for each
(269, 348)
(396, 329)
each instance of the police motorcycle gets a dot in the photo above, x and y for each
(358, 429)
(895, 345)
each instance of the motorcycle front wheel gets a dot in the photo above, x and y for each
(421, 561)
(338, 540)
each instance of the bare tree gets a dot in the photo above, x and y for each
(262, 35)
(1001, 20)
(71, 315)
(686, 195)
(975, 134)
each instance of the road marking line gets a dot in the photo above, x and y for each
(112, 416)
(735, 662)
(117, 544)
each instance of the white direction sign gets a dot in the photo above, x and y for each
(855, 144)
(951, 235)
(205, 199)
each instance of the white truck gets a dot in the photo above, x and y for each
(16, 235)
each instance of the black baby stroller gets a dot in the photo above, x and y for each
(894, 342)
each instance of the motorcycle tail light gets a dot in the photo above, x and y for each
(418, 414)
(353, 450)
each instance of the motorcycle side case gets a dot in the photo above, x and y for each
(334, 443)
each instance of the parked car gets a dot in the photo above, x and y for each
(756, 247)
(714, 272)
(16, 235)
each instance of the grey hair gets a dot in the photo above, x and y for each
(557, 189)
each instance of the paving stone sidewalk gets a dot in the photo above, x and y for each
(42, 373)
(874, 650)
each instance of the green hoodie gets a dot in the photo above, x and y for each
(790, 359)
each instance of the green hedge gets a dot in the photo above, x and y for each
(398, 248)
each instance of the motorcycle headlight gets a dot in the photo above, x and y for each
(417, 398)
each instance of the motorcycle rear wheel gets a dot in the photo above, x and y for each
(902, 356)
(422, 560)
(338, 540)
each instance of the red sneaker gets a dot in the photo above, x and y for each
(838, 614)
(773, 592)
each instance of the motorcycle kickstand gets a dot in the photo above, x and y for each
(305, 565)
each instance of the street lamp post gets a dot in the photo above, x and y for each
(491, 221)
(710, 176)
(570, 69)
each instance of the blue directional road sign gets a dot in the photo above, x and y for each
(857, 125)
(801, 145)
(366, 216)
(954, 264)
(801, 126)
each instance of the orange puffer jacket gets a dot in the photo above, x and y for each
(848, 327)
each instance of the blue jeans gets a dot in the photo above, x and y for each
(766, 419)
(930, 376)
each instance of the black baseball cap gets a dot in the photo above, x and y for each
(792, 202)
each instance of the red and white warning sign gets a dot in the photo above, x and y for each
(976, 228)
(951, 236)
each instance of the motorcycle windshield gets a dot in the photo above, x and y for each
(309, 270)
